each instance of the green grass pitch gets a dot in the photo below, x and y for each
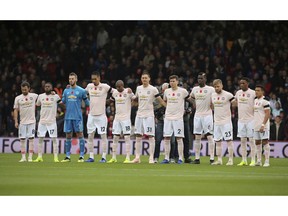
(49, 178)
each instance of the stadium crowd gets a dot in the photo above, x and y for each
(41, 51)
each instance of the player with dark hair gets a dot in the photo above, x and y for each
(245, 102)
(261, 126)
(203, 119)
(47, 102)
(72, 97)
(97, 119)
(24, 105)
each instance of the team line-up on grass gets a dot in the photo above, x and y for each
(253, 124)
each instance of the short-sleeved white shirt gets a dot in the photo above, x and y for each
(203, 99)
(175, 103)
(26, 107)
(122, 104)
(146, 96)
(48, 105)
(222, 104)
(98, 96)
(245, 103)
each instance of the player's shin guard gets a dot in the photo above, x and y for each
(267, 152)
(90, 145)
(68, 147)
(180, 148)
(219, 150)
(138, 146)
(253, 148)
(167, 148)
(55, 147)
(40, 146)
(211, 146)
(114, 146)
(23, 148)
(151, 147)
(82, 146)
(31, 147)
(197, 146)
(244, 148)
(230, 149)
(259, 152)
(128, 146)
(104, 145)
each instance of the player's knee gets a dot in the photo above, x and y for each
(258, 142)
(265, 141)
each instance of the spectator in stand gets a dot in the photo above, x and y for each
(277, 132)
(277, 110)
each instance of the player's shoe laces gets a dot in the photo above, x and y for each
(66, 159)
(56, 160)
(165, 161)
(127, 161)
(179, 162)
(229, 163)
(90, 160)
(252, 163)
(22, 160)
(112, 160)
(217, 163)
(38, 159)
(266, 164)
(259, 163)
(103, 160)
(196, 161)
(136, 160)
(243, 163)
(80, 160)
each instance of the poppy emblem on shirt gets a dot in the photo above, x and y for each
(218, 98)
(26, 99)
(120, 95)
(173, 94)
(72, 92)
(200, 91)
(243, 95)
(47, 99)
(95, 88)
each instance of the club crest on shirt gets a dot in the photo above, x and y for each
(125, 95)
(31, 98)
(148, 92)
(77, 93)
(223, 98)
(100, 88)
(178, 94)
(205, 91)
(248, 95)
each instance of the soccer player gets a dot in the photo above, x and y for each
(223, 128)
(245, 102)
(72, 97)
(48, 104)
(97, 118)
(122, 121)
(261, 126)
(173, 120)
(144, 121)
(24, 105)
(203, 119)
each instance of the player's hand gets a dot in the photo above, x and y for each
(129, 90)
(53, 92)
(16, 125)
(67, 86)
(262, 129)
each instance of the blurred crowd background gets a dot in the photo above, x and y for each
(42, 51)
